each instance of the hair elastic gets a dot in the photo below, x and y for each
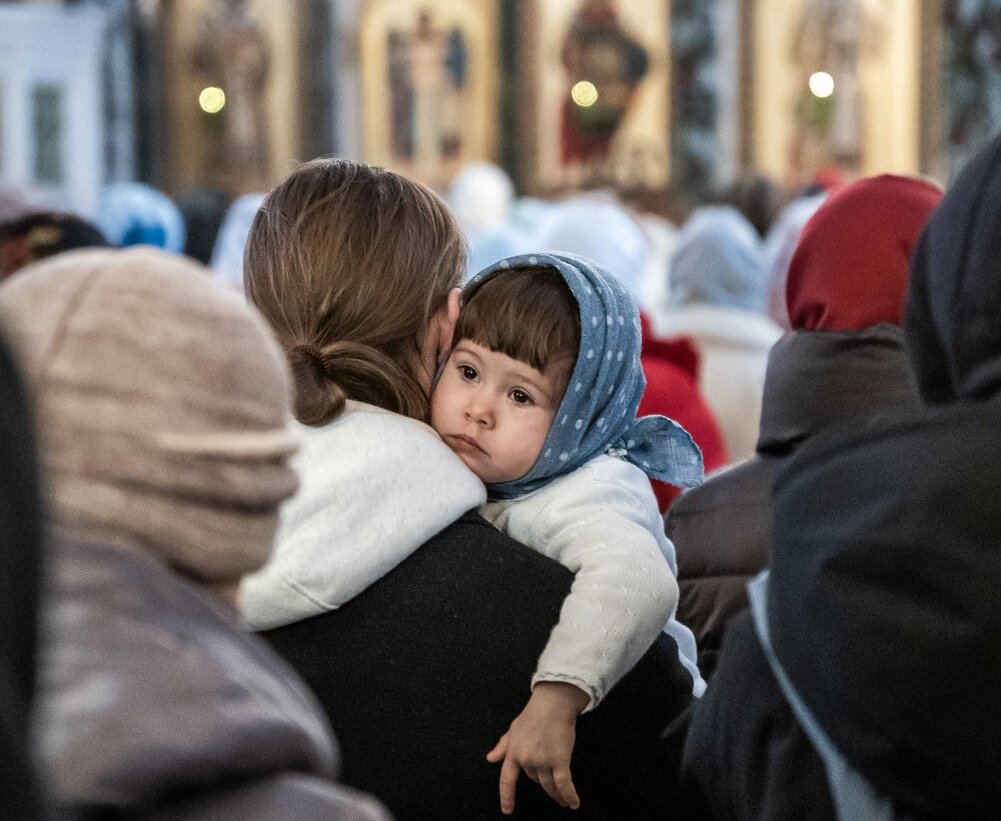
(311, 351)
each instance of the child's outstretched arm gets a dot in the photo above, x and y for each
(540, 742)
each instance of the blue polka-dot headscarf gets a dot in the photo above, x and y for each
(598, 412)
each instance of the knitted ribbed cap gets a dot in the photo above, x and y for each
(163, 405)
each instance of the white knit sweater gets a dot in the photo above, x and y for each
(601, 521)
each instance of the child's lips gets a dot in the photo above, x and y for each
(465, 444)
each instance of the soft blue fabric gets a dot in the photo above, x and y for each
(598, 412)
(133, 213)
(853, 796)
(718, 261)
(231, 241)
(604, 232)
(490, 246)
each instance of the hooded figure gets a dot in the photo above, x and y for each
(887, 550)
(133, 213)
(481, 197)
(163, 405)
(717, 297)
(844, 362)
(601, 230)
(227, 253)
(780, 245)
(879, 622)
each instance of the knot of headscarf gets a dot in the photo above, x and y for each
(598, 411)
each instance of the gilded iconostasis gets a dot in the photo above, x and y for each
(590, 92)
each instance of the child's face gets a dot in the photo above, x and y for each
(495, 411)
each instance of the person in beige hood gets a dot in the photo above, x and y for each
(162, 408)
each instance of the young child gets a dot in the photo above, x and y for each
(538, 398)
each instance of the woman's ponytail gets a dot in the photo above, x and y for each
(325, 378)
(348, 264)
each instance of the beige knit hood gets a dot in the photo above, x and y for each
(163, 407)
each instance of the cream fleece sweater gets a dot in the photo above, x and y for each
(601, 521)
(374, 486)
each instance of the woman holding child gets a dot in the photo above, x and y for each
(416, 622)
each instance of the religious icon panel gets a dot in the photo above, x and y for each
(837, 86)
(430, 85)
(595, 79)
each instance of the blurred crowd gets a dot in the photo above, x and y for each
(833, 352)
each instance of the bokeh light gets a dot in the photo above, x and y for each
(584, 94)
(212, 99)
(821, 84)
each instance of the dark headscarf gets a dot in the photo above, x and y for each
(953, 315)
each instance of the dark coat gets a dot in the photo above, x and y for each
(20, 563)
(746, 757)
(888, 547)
(423, 672)
(883, 594)
(816, 381)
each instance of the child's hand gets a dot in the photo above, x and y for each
(540, 741)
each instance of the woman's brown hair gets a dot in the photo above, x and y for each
(349, 263)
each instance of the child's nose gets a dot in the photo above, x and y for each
(479, 410)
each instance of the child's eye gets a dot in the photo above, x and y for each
(466, 372)
(520, 397)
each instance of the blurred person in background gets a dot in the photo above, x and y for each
(203, 210)
(864, 682)
(43, 234)
(717, 298)
(134, 213)
(230, 242)
(780, 245)
(14, 204)
(662, 236)
(598, 228)
(482, 198)
(163, 405)
(756, 198)
(842, 363)
(21, 534)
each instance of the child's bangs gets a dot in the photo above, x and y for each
(526, 313)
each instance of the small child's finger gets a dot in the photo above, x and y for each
(499, 750)
(508, 783)
(564, 786)
(548, 783)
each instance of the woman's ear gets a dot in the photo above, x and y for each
(448, 318)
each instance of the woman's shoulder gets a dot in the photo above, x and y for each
(360, 419)
(368, 442)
